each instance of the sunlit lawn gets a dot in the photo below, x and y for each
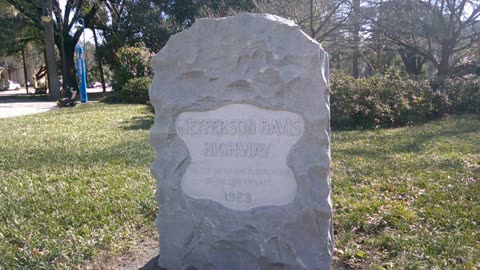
(409, 198)
(77, 181)
(73, 181)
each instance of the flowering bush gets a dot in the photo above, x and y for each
(133, 62)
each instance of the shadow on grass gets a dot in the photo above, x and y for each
(414, 141)
(127, 153)
(144, 122)
(456, 126)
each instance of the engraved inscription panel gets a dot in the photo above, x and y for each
(239, 155)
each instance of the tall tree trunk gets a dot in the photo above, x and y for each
(53, 83)
(356, 38)
(70, 73)
(379, 53)
(443, 67)
(339, 55)
(62, 55)
(413, 62)
(98, 56)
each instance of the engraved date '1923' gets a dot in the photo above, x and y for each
(241, 197)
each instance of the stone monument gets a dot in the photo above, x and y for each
(242, 141)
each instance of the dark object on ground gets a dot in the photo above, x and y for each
(40, 91)
(69, 100)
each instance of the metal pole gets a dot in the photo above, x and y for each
(24, 70)
(84, 47)
(81, 75)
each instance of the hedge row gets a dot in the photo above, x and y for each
(392, 100)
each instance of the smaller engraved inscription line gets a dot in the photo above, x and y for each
(200, 171)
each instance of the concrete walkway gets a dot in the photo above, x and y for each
(23, 91)
(13, 108)
(10, 106)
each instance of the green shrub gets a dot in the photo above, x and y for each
(464, 94)
(136, 91)
(133, 62)
(387, 100)
(391, 100)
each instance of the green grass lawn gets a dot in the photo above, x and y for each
(408, 198)
(76, 181)
(72, 182)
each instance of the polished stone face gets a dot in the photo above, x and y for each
(239, 155)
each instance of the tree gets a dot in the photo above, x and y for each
(440, 31)
(95, 67)
(65, 35)
(377, 50)
(20, 43)
(321, 19)
(327, 21)
(222, 8)
(356, 27)
(412, 61)
(16, 30)
(125, 23)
